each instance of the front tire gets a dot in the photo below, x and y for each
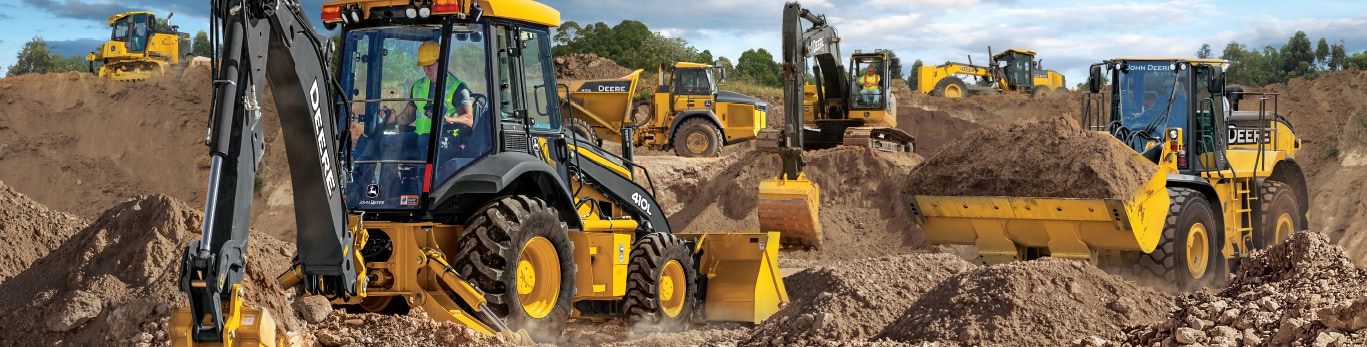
(950, 87)
(661, 284)
(518, 253)
(1279, 214)
(1040, 92)
(1187, 254)
(696, 138)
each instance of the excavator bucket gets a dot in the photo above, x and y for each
(741, 270)
(790, 207)
(244, 326)
(1001, 227)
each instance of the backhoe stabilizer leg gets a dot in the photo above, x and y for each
(483, 319)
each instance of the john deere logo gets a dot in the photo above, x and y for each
(372, 190)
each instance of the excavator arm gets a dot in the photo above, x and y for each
(267, 40)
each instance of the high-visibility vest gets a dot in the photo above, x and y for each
(420, 90)
(870, 82)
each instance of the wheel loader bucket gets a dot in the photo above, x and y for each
(791, 208)
(743, 283)
(1001, 227)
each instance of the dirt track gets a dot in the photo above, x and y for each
(132, 178)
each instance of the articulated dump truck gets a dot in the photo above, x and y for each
(1224, 182)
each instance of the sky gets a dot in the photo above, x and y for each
(1068, 35)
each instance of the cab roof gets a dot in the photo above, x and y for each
(521, 10)
(115, 18)
(1211, 61)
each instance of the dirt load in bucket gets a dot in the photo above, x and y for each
(574, 67)
(1046, 158)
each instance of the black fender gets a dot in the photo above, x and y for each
(689, 114)
(508, 173)
(1201, 185)
(1289, 171)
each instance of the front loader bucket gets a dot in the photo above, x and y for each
(741, 272)
(790, 207)
(1001, 227)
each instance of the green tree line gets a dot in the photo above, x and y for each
(37, 57)
(1297, 58)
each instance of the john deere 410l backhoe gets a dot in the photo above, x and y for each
(432, 170)
(1227, 182)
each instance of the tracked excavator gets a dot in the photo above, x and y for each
(140, 47)
(432, 171)
(1011, 71)
(1226, 182)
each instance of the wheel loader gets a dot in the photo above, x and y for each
(1226, 183)
(140, 47)
(1011, 71)
(686, 113)
(432, 169)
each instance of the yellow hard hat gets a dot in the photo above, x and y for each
(427, 53)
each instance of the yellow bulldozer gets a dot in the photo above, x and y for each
(1226, 182)
(140, 47)
(464, 195)
(1011, 71)
(687, 112)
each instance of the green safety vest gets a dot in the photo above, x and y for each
(420, 89)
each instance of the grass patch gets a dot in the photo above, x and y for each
(752, 89)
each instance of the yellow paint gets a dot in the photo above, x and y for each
(743, 279)
(791, 207)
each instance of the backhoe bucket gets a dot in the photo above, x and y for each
(741, 272)
(244, 326)
(1003, 228)
(790, 207)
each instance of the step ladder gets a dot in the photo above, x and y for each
(1244, 199)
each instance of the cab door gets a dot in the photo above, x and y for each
(693, 90)
(524, 58)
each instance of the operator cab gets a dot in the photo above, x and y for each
(870, 73)
(1017, 67)
(427, 98)
(694, 79)
(1149, 96)
(132, 28)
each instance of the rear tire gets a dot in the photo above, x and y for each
(1040, 92)
(696, 137)
(1279, 214)
(518, 253)
(582, 129)
(1187, 254)
(661, 284)
(950, 87)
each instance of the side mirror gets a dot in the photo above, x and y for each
(1094, 79)
(1216, 84)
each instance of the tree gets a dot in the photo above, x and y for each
(1336, 55)
(1356, 61)
(1297, 58)
(705, 57)
(566, 33)
(655, 50)
(201, 47)
(33, 58)
(894, 70)
(1204, 52)
(1322, 53)
(913, 78)
(759, 66)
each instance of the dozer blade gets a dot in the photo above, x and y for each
(743, 279)
(1066, 228)
(791, 208)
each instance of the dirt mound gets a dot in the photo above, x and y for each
(1303, 291)
(994, 109)
(853, 300)
(573, 67)
(1049, 157)
(932, 129)
(78, 143)
(1044, 302)
(31, 230)
(114, 281)
(414, 329)
(858, 186)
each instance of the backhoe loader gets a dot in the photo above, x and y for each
(432, 170)
(1011, 71)
(687, 112)
(140, 47)
(1226, 182)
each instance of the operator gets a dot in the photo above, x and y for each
(459, 105)
(869, 86)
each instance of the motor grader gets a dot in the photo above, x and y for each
(687, 113)
(462, 195)
(1011, 71)
(140, 47)
(1226, 183)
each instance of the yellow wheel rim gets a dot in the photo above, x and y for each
(953, 91)
(696, 142)
(673, 288)
(376, 303)
(1285, 226)
(538, 295)
(1198, 244)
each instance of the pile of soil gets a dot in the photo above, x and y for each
(859, 210)
(1049, 157)
(574, 67)
(1302, 291)
(1043, 302)
(31, 230)
(115, 281)
(931, 128)
(414, 329)
(994, 109)
(853, 300)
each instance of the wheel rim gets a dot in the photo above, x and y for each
(953, 91)
(696, 142)
(1285, 226)
(673, 288)
(538, 277)
(1198, 244)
